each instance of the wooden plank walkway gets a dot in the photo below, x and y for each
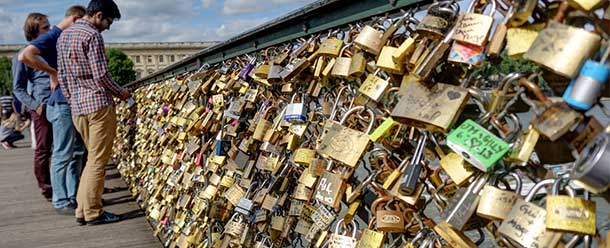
(28, 220)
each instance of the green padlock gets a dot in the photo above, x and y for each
(383, 131)
(477, 145)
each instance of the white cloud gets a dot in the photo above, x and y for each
(238, 26)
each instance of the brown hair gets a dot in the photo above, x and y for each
(76, 10)
(32, 25)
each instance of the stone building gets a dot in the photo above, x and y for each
(146, 56)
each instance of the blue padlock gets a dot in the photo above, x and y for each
(583, 92)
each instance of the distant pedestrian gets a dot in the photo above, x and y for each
(86, 82)
(10, 130)
(35, 25)
(68, 148)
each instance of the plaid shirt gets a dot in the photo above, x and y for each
(83, 69)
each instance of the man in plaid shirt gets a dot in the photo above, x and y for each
(85, 81)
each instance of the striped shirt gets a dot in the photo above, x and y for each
(83, 69)
(6, 102)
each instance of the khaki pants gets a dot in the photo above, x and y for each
(98, 130)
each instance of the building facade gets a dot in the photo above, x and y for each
(147, 57)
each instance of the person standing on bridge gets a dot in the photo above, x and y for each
(68, 150)
(35, 25)
(85, 80)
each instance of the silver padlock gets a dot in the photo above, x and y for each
(592, 168)
(296, 112)
(245, 204)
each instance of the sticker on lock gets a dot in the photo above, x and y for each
(477, 145)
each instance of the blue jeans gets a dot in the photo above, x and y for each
(67, 156)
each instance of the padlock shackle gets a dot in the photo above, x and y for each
(360, 108)
(533, 88)
(474, 2)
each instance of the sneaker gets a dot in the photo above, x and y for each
(68, 211)
(105, 218)
(81, 221)
(6, 145)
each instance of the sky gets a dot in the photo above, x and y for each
(157, 20)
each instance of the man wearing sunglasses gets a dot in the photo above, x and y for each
(86, 82)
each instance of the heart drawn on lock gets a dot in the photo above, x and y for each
(453, 95)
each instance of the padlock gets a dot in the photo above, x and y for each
(591, 168)
(477, 145)
(563, 49)
(222, 144)
(457, 168)
(263, 124)
(343, 64)
(296, 112)
(525, 223)
(439, 19)
(244, 74)
(434, 109)
(235, 226)
(523, 147)
(371, 238)
(569, 213)
(262, 242)
(428, 64)
(245, 204)
(473, 28)
(374, 86)
(463, 204)
(584, 91)
(496, 203)
(331, 46)
(344, 144)
(293, 69)
(556, 119)
(455, 238)
(388, 220)
(370, 39)
(410, 180)
(522, 11)
(337, 240)
(330, 189)
(497, 41)
(407, 47)
(503, 93)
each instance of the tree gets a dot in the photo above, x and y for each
(6, 75)
(120, 66)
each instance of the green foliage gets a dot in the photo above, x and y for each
(6, 76)
(508, 65)
(120, 66)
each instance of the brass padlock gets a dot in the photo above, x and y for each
(330, 46)
(342, 66)
(371, 238)
(440, 18)
(338, 137)
(330, 189)
(369, 39)
(434, 109)
(374, 86)
(569, 213)
(496, 203)
(525, 223)
(473, 28)
(556, 119)
(563, 49)
(387, 219)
